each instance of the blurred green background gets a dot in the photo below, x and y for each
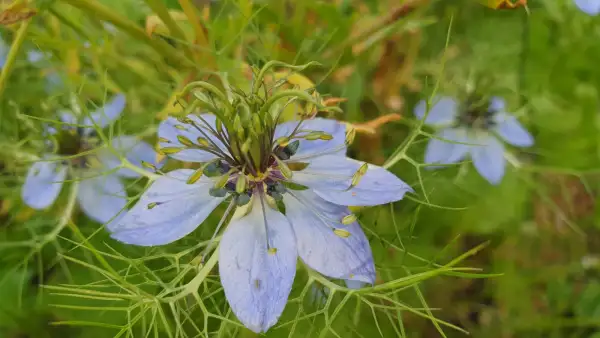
(540, 226)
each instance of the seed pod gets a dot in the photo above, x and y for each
(350, 134)
(223, 180)
(241, 184)
(285, 170)
(313, 135)
(238, 127)
(257, 124)
(219, 126)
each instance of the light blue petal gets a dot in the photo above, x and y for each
(108, 113)
(330, 177)
(43, 183)
(257, 282)
(307, 148)
(133, 149)
(314, 221)
(68, 123)
(446, 152)
(35, 56)
(4, 48)
(443, 111)
(497, 104)
(53, 81)
(169, 210)
(591, 7)
(511, 130)
(102, 198)
(171, 128)
(67, 117)
(354, 284)
(489, 158)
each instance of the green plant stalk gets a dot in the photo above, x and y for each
(68, 22)
(102, 12)
(195, 283)
(162, 11)
(12, 54)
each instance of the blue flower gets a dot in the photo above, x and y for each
(101, 196)
(4, 49)
(475, 131)
(301, 164)
(591, 7)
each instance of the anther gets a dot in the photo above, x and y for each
(287, 151)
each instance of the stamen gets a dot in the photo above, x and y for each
(195, 176)
(317, 135)
(342, 233)
(151, 205)
(358, 175)
(287, 151)
(170, 150)
(349, 219)
(185, 141)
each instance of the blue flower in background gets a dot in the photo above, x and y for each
(475, 131)
(4, 49)
(591, 7)
(101, 195)
(259, 248)
(38, 59)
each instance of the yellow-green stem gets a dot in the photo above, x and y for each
(12, 54)
(102, 12)
(162, 11)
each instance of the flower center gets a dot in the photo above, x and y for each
(73, 142)
(477, 114)
(242, 184)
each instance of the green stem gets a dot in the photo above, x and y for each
(12, 54)
(162, 11)
(126, 164)
(259, 79)
(290, 93)
(68, 22)
(102, 12)
(65, 217)
(195, 283)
